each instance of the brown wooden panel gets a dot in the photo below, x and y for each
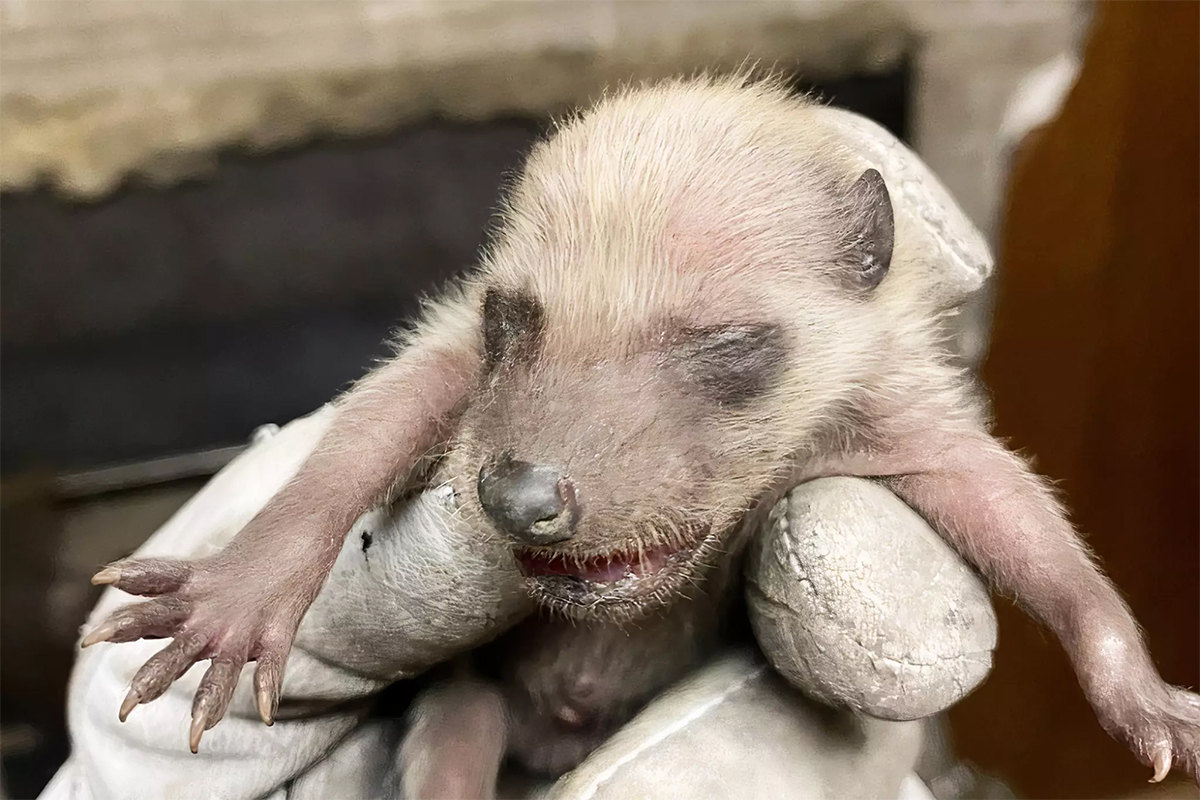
(1094, 370)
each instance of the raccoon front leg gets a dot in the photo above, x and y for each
(455, 743)
(246, 602)
(1003, 518)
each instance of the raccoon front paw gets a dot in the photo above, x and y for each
(1163, 730)
(212, 611)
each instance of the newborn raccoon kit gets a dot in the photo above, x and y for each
(689, 308)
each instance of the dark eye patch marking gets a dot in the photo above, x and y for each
(733, 364)
(512, 326)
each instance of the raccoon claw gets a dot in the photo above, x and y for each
(212, 697)
(163, 579)
(106, 576)
(145, 576)
(1166, 734)
(153, 619)
(268, 683)
(216, 688)
(196, 730)
(210, 613)
(164, 668)
(1162, 764)
(132, 700)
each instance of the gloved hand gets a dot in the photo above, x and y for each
(412, 589)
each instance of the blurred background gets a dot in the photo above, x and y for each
(212, 213)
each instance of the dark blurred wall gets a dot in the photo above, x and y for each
(162, 320)
(1094, 368)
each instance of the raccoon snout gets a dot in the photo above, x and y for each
(534, 503)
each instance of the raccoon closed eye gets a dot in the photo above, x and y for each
(733, 364)
(512, 326)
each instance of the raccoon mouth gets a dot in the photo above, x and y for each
(601, 570)
(618, 584)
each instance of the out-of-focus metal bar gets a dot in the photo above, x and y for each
(139, 474)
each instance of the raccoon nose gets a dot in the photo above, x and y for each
(534, 503)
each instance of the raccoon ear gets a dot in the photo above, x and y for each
(869, 251)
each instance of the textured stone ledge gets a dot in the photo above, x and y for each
(93, 91)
